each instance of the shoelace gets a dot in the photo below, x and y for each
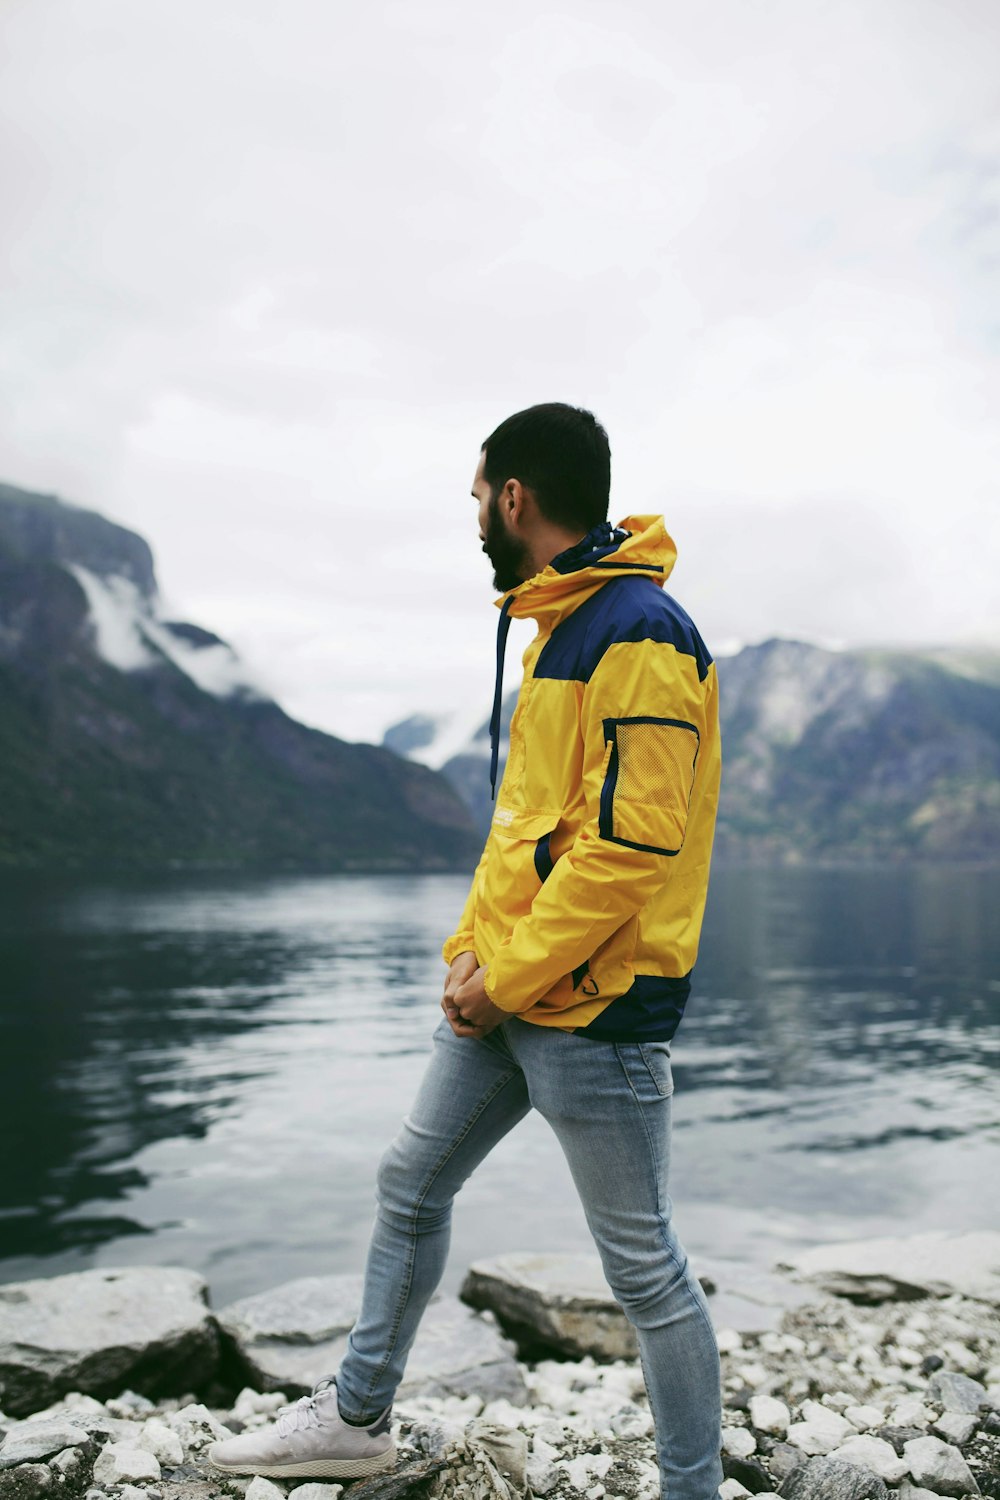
(301, 1413)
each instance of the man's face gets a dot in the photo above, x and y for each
(505, 550)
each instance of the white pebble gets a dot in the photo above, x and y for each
(118, 1461)
(752, 1374)
(958, 1357)
(873, 1453)
(865, 1417)
(768, 1414)
(728, 1340)
(956, 1426)
(912, 1336)
(160, 1440)
(316, 1490)
(260, 1488)
(731, 1489)
(738, 1442)
(910, 1412)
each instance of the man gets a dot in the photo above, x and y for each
(570, 965)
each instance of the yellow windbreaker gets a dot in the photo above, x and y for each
(587, 902)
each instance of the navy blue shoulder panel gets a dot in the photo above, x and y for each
(629, 608)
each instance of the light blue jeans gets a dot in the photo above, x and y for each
(609, 1104)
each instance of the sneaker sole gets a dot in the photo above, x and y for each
(325, 1468)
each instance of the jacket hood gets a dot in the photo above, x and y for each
(638, 544)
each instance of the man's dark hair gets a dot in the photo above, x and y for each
(560, 453)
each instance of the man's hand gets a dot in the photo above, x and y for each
(470, 1012)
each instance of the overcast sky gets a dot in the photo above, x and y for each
(271, 272)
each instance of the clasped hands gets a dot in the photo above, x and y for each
(465, 1002)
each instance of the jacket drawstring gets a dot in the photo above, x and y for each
(502, 628)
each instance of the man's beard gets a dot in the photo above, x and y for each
(508, 554)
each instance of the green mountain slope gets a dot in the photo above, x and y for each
(106, 767)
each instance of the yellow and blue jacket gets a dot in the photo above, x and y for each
(587, 903)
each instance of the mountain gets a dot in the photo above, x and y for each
(128, 740)
(826, 754)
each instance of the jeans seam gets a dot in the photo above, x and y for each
(413, 1234)
(652, 1149)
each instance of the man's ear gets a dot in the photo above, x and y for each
(513, 501)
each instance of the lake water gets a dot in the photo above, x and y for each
(204, 1071)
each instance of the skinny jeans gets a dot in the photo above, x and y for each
(609, 1105)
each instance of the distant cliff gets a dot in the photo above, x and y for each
(826, 754)
(132, 741)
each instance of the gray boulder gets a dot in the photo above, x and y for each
(832, 1479)
(32, 1441)
(933, 1264)
(287, 1338)
(146, 1327)
(956, 1392)
(939, 1467)
(561, 1302)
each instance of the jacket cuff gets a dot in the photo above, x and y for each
(459, 942)
(490, 994)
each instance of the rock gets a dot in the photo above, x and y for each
(910, 1412)
(738, 1442)
(196, 1427)
(898, 1437)
(821, 1429)
(160, 1440)
(832, 1479)
(399, 1484)
(933, 1264)
(260, 1488)
(315, 1490)
(749, 1471)
(251, 1403)
(875, 1454)
(864, 1418)
(783, 1458)
(30, 1441)
(458, 1353)
(506, 1448)
(129, 1404)
(956, 1392)
(731, 1489)
(97, 1331)
(583, 1470)
(955, 1427)
(560, 1302)
(940, 1467)
(118, 1461)
(27, 1482)
(291, 1335)
(69, 1461)
(907, 1491)
(768, 1414)
(287, 1338)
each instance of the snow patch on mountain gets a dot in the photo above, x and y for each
(131, 634)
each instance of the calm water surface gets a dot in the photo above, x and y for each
(204, 1071)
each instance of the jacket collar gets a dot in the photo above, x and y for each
(638, 544)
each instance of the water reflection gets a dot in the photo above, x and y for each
(211, 1067)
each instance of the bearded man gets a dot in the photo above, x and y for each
(570, 965)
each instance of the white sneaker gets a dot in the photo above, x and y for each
(310, 1438)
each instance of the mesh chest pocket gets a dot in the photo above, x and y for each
(648, 782)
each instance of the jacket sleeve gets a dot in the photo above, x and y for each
(643, 715)
(463, 938)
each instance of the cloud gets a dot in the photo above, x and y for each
(273, 275)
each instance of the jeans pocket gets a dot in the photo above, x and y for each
(656, 1056)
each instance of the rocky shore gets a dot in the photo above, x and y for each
(881, 1378)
